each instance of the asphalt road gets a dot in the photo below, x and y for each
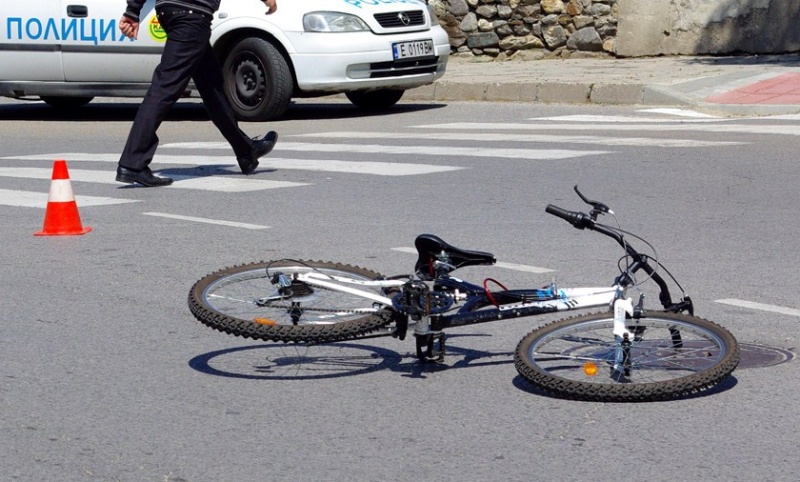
(106, 375)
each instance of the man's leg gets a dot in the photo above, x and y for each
(187, 35)
(209, 82)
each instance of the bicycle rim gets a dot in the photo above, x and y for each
(242, 301)
(671, 355)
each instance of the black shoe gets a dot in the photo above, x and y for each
(144, 177)
(261, 147)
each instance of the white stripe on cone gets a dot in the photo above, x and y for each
(61, 191)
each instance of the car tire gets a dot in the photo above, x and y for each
(66, 102)
(257, 79)
(375, 99)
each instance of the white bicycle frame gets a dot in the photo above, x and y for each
(568, 298)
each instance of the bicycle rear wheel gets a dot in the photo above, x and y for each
(671, 355)
(242, 301)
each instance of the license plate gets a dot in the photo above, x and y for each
(413, 49)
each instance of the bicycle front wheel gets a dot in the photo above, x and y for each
(243, 301)
(671, 355)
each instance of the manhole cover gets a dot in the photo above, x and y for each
(758, 356)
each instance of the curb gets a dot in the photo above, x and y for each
(585, 93)
(547, 93)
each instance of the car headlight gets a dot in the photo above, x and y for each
(333, 22)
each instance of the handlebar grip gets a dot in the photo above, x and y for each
(577, 219)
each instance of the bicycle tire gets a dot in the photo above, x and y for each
(226, 301)
(568, 358)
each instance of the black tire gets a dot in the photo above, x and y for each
(258, 80)
(574, 358)
(226, 301)
(66, 103)
(375, 99)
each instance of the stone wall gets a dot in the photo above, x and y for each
(531, 29)
(539, 29)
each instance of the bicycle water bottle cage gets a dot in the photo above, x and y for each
(437, 258)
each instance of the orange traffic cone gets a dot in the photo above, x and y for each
(61, 217)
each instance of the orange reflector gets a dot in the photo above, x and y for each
(590, 368)
(265, 321)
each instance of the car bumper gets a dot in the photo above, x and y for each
(364, 61)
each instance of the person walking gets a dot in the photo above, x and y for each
(187, 56)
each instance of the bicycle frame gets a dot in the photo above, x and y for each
(551, 299)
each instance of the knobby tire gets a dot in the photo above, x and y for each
(574, 357)
(225, 301)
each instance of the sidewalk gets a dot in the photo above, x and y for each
(747, 85)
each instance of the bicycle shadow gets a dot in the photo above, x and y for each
(279, 361)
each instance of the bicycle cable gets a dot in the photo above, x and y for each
(489, 293)
(646, 257)
(618, 229)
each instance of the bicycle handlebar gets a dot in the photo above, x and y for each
(575, 218)
(584, 221)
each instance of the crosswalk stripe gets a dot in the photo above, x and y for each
(789, 130)
(536, 154)
(499, 264)
(206, 183)
(760, 306)
(626, 119)
(32, 199)
(207, 221)
(496, 137)
(443, 150)
(375, 168)
(681, 113)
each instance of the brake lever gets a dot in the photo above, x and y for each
(597, 207)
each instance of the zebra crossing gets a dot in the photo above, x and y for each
(201, 167)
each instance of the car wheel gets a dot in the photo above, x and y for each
(375, 99)
(258, 80)
(66, 102)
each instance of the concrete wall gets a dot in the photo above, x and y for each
(689, 27)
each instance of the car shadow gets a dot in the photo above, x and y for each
(94, 112)
(339, 110)
(99, 111)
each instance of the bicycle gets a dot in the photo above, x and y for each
(622, 354)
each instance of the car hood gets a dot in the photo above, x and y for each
(289, 14)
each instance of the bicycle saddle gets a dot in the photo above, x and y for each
(431, 248)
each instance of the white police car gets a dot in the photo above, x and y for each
(67, 52)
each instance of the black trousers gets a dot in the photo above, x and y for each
(187, 56)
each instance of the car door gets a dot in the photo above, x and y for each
(30, 33)
(96, 51)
